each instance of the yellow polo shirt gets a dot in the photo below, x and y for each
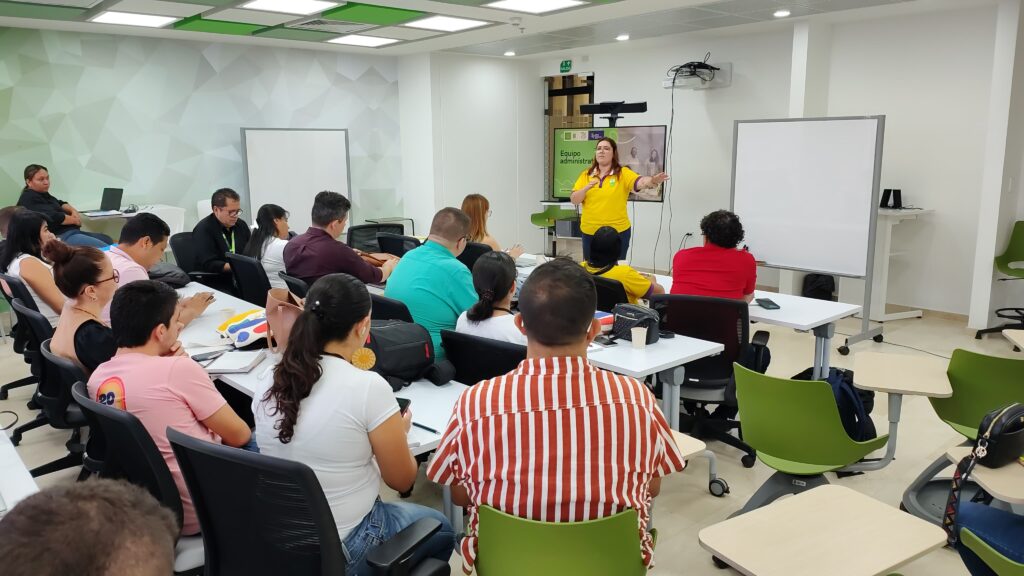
(634, 282)
(605, 204)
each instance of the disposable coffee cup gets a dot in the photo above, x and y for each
(639, 337)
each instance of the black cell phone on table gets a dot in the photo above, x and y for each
(403, 404)
(209, 355)
(605, 341)
(767, 303)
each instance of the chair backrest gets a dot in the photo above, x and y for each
(508, 545)
(722, 320)
(980, 384)
(295, 285)
(183, 251)
(131, 453)
(385, 308)
(259, 514)
(54, 391)
(364, 236)
(17, 289)
(994, 559)
(609, 293)
(477, 358)
(396, 244)
(1014, 251)
(250, 277)
(39, 327)
(472, 252)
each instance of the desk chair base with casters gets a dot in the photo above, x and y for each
(1014, 253)
(508, 545)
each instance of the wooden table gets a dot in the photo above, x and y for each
(829, 530)
(1005, 483)
(1016, 337)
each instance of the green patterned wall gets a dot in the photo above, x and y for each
(162, 118)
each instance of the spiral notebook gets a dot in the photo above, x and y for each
(238, 362)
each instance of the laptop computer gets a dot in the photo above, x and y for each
(110, 204)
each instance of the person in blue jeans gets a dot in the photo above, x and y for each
(325, 409)
(1000, 529)
(64, 221)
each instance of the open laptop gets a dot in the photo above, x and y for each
(110, 204)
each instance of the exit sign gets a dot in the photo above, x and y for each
(565, 67)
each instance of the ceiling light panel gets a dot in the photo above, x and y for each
(401, 33)
(128, 19)
(365, 41)
(446, 24)
(72, 3)
(250, 16)
(534, 6)
(158, 7)
(299, 7)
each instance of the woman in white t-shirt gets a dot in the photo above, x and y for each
(344, 423)
(268, 241)
(22, 257)
(494, 279)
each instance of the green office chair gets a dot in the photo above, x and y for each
(999, 564)
(547, 219)
(795, 428)
(509, 546)
(980, 384)
(1014, 253)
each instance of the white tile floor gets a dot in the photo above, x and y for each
(685, 506)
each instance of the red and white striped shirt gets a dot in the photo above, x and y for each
(556, 440)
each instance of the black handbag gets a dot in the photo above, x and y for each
(629, 316)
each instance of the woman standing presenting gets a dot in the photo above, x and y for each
(603, 190)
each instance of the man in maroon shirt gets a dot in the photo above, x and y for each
(317, 252)
(717, 268)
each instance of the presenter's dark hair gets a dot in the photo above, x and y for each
(494, 274)
(139, 307)
(220, 197)
(616, 167)
(328, 207)
(557, 303)
(605, 247)
(31, 169)
(144, 225)
(74, 267)
(22, 237)
(450, 223)
(334, 305)
(722, 228)
(266, 229)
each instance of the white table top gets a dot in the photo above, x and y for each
(828, 530)
(688, 445)
(664, 354)
(903, 213)
(16, 483)
(1016, 337)
(1005, 483)
(432, 407)
(902, 374)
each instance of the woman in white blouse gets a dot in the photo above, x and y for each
(22, 257)
(494, 279)
(268, 241)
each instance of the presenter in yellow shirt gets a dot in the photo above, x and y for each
(603, 190)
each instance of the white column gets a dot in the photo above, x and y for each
(420, 140)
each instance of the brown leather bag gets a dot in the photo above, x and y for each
(283, 308)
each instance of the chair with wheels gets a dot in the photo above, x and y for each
(992, 558)
(70, 373)
(795, 427)
(1014, 253)
(295, 285)
(508, 545)
(265, 515)
(185, 257)
(23, 341)
(980, 384)
(472, 252)
(396, 244)
(710, 380)
(546, 221)
(384, 308)
(609, 293)
(133, 456)
(477, 359)
(250, 277)
(364, 236)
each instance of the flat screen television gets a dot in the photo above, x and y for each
(641, 148)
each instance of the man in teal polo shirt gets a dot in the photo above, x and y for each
(435, 286)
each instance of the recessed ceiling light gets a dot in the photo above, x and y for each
(781, 13)
(622, 37)
(534, 6)
(129, 19)
(360, 40)
(510, 53)
(445, 24)
(301, 7)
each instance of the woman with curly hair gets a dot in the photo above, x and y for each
(718, 268)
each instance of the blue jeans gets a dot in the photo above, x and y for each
(384, 521)
(251, 445)
(624, 237)
(1000, 529)
(76, 237)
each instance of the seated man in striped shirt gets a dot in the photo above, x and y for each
(562, 440)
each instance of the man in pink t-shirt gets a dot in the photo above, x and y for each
(160, 388)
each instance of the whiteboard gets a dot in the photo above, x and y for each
(289, 167)
(806, 191)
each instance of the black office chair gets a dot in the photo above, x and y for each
(710, 380)
(21, 335)
(58, 410)
(185, 257)
(609, 293)
(265, 515)
(385, 308)
(95, 449)
(472, 252)
(364, 236)
(476, 359)
(39, 330)
(396, 243)
(133, 456)
(250, 278)
(295, 285)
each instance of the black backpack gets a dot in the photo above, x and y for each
(404, 353)
(819, 286)
(854, 404)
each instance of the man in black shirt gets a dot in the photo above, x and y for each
(220, 232)
(64, 221)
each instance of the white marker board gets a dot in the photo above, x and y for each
(806, 191)
(289, 167)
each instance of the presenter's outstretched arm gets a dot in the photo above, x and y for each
(651, 181)
(578, 196)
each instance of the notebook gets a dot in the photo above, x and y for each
(237, 362)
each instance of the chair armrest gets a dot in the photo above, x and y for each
(760, 338)
(392, 556)
(200, 276)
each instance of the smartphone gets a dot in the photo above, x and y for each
(766, 303)
(403, 404)
(605, 341)
(208, 355)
